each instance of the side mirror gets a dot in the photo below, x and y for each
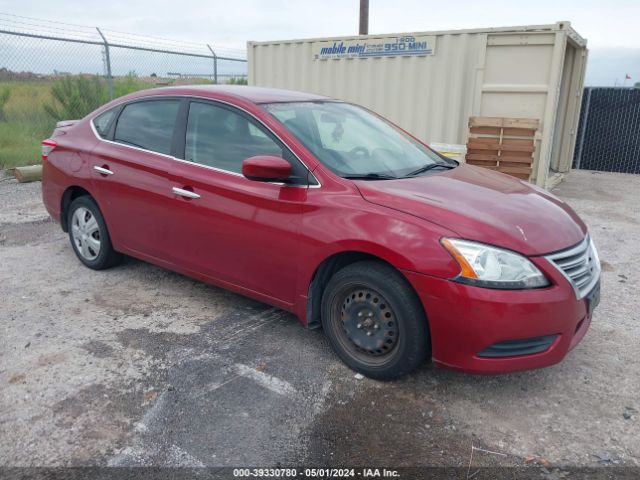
(266, 168)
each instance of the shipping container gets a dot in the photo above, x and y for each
(430, 83)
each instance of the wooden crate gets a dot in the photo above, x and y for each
(503, 144)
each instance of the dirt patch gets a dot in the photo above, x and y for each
(154, 344)
(102, 415)
(21, 377)
(51, 358)
(389, 424)
(98, 349)
(607, 267)
(27, 233)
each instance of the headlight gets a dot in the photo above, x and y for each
(486, 266)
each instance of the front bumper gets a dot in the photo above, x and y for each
(465, 321)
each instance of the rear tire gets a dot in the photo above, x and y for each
(89, 235)
(375, 321)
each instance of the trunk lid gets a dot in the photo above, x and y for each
(62, 127)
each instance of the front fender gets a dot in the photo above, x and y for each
(352, 225)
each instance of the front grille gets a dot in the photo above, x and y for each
(514, 348)
(580, 265)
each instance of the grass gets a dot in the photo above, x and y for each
(30, 108)
(24, 123)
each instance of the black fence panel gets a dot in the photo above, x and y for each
(609, 130)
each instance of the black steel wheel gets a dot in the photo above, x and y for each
(369, 328)
(374, 320)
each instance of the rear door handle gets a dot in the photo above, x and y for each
(185, 193)
(103, 171)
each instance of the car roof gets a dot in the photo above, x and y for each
(240, 92)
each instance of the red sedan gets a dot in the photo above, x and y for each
(327, 210)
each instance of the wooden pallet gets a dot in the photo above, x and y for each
(503, 144)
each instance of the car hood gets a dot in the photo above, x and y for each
(485, 206)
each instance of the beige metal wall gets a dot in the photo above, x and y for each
(511, 72)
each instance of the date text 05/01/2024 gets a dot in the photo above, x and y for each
(315, 473)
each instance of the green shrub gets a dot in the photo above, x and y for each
(237, 81)
(4, 98)
(30, 109)
(128, 84)
(76, 96)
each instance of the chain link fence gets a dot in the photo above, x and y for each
(609, 130)
(51, 71)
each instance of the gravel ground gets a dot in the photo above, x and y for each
(141, 366)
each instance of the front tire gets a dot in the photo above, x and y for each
(374, 320)
(89, 235)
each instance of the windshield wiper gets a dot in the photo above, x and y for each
(370, 176)
(428, 167)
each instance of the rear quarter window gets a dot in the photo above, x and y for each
(101, 122)
(148, 125)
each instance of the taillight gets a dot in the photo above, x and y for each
(47, 147)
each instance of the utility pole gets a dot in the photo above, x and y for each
(364, 17)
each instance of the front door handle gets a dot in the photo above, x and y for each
(185, 193)
(103, 171)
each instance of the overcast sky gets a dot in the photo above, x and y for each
(611, 26)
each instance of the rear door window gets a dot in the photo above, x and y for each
(148, 125)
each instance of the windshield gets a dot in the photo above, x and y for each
(355, 143)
